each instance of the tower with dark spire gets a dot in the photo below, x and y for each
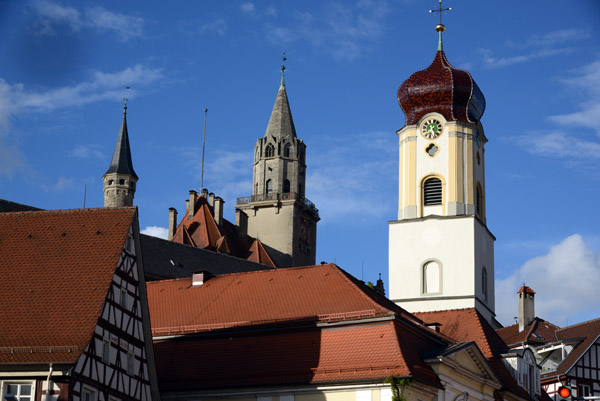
(278, 212)
(441, 253)
(120, 178)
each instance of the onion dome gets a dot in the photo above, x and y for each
(443, 89)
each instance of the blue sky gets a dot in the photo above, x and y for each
(65, 65)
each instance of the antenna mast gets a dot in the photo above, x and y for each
(203, 146)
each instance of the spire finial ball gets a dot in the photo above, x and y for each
(440, 27)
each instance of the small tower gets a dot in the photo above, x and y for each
(526, 306)
(278, 213)
(441, 253)
(120, 178)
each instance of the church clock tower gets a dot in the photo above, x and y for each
(441, 253)
(278, 213)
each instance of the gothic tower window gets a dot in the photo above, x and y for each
(432, 192)
(270, 150)
(269, 186)
(431, 277)
(286, 151)
(286, 186)
(484, 288)
(479, 201)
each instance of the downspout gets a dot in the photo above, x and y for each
(49, 386)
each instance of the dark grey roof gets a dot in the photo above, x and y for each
(8, 206)
(167, 259)
(281, 124)
(121, 161)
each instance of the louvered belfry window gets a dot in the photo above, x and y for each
(432, 192)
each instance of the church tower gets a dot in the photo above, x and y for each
(441, 253)
(120, 178)
(278, 213)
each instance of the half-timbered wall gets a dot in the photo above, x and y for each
(114, 365)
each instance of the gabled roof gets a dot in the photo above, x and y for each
(525, 289)
(537, 332)
(167, 259)
(468, 325)
(588, 331)
(333, 328)
(281, 124)
(121, 161)
(8, 206)
(259, 254)
(56, 270)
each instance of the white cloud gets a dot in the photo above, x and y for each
(566, 281)
(52, 16)
(552, 38)
(562, 145)
(248, 8)
(345, 30)
(218, 26)
(156, 231)
(88, 151)
(124, 26)
(60, 185)
(490, 61)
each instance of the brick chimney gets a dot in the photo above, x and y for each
(526, 306)
(191, 204)
(218, 209)
(172, 222)
(211, 199)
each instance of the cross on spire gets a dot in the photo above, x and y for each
(283, 59)
(440, 10)
(125, 99)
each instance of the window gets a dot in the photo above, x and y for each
(479, 201)
(269, 186)
(122, 182)
(130, 360)
(123, 298)
(270, 150)
(18, 392)
(583, 390)
(432, 192)
(431, 277)
(88, 394)
(105, 350)
(111, 182)
(286, 150)
(484, 288)
(286, 186)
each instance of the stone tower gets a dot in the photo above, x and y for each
(441, 253)
(278, 213)
(120, 178)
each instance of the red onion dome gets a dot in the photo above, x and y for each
(443, 89)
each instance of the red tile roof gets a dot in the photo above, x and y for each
(323, 292)
(525, 289)
(319, 355)
(56, 270)
(468, 325)
(202, 231)
(537, 332)
(588, 331)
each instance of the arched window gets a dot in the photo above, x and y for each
(484, 287)
(431, 277)
(269, 186)
(432, 192)
(286, 150)
(270, 150)
(286, 186)
(479, 201)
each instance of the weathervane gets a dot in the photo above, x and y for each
(440, 27)
(125, 99)
(283, 59)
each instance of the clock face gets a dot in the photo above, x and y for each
(431, 128)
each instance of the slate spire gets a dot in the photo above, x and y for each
(281, 124)
(121, 161)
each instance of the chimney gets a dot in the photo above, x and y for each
(172, 222)
(434, 325)
(205, 193)
(211, 199)
(191, 204)
(199, 278)
(526, 306)
(218, 209)
(241, 221)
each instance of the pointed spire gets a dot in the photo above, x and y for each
(121, 161)
(281, 124)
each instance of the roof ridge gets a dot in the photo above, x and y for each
(579, 324)
(83, 210)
